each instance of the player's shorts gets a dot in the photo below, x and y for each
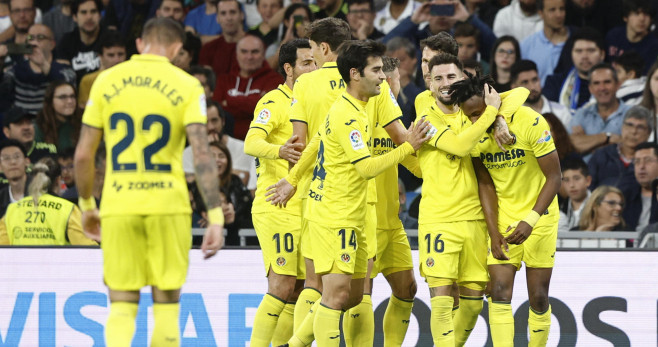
(456, 250)
(279, 235)
(371, 229)
(538, 251)
(146, 250)
(306, 243)
(338, 249)
(393, 252)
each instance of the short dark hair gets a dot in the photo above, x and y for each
(332, 31)
(470, 63)
(288, 53)
(540, 4)
(354, 54)
(630, 6)
(178, 1)
(445, 58)
(467, 88)
(576, 164)
(522, 65)
(356, 2)
(280, 2)
(604, 66)
(293, 7)
(163, 30)
(646, 145)
(109, 39)
(400, 42)
(211, 79)
(13, 143)
(631, 61)
(66, 153)
(240, 8)
(212, 103)
(465, 29)
(390, 63)
(589, 34)
(75, 5)
(442, 42)
(192, 45)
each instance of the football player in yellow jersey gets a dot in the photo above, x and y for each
(526, 178)
(269, 140)
(338, 187)
(442, 42)
(143, 109)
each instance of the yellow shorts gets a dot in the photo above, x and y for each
(305, 245)
(538, 251)
(338, 249)
(278, 236)
(393, 252)
(456, 251)
(371, 229)
(146, 250)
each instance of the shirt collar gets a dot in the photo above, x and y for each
(360, 105)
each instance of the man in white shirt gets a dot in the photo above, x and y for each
(519, 19)
(393, 13)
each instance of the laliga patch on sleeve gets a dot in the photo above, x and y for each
(390, 92)
(202, 105)
(545, 137)
(432, 131)
(263, 116)
(294, 101)
(356, 140)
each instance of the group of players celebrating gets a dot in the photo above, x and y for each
(327, 144)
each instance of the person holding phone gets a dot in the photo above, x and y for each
(361, 17)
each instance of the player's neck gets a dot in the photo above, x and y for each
(330, 58)
(354, 92)
(447, 109)
(290, 82)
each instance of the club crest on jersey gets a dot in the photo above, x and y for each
(429, 262)
(356, 140)
(281, 261)
(545, 137)
(345, 257)
(263, 116)
(390, 92)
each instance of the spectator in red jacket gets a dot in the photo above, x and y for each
(239, 91)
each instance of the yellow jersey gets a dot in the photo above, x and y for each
(271, 116)
(337, 194)
(143, 106)
(424, 101)
(516, 173)
(388, 199)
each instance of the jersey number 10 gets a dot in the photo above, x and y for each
(149, 150)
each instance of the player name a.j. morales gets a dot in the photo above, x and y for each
(146, 82)
(502, 156)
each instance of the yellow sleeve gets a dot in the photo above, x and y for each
(539, 136)
(511, 100)
(412, 164)
(463, 143)
(4, 237)
(74, 230)
(195, 110)
(255, 145)
(387, 110)
(297, 109)
(370, 167)
(307, 159)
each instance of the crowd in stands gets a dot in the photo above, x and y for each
(590, 66)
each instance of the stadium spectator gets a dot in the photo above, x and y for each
(267, 9)
(71, 194)
(251, 15)
(206, 76)
(59, 121)
(79, 47)
(393, 13)
(111, 51)
(472, 66)
(650, 95)
(330, 8)
(524, 74)
(289, 29)
(601, 15)
(189, 54)
(17, 125)
(220, 52)
(22, 16)
(519, 19)
(635, 35)
(405, 51)
(24, 84)
(14, 164)
(629, 67)
(172, 9)
(235, 191)
(239, 90)
(59, 19)
(639, 203)
(65, 161)
(600, 123)
(202, 21)
(612, 165)
(504, 54)
(575, 182)
(603, 211)
(563, 145)
(468, 39)
(361, 17)
(545, 46)
(570, 88)
(128, 17)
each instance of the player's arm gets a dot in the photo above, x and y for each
(256, 145)
(85, 151)
(398, 134)
(461, 144)
(74, 232)
(550, 167)
(489, 201)
(4, 237)
(510, 102)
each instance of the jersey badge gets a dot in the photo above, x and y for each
(545, 137)
(356, 140)
(432, 131)
(345, 257)
(263, 116)
(281, 261)
(429, 262)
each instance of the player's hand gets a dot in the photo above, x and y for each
(278, 194)
(501, 133)
(213, 240)
(520, 234)
(91, 224)
(418, 133)
(491, 96)
(291, 151)
(499, 246)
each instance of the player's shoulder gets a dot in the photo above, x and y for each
(276, 97)
(527, 117)
(423, 97)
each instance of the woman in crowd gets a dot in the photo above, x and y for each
(650, 96)
(188, 55)
(603, 211)
(504, 54)
(43, 218)
(60, 119)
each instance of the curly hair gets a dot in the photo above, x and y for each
(463, 90)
